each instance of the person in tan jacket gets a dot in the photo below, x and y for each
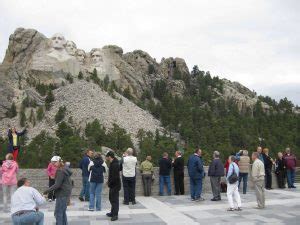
(258, 177)
(244, 165)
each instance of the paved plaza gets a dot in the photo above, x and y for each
(282, 207)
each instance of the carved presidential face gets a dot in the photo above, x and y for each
(58, 41)
(80, 55)
(96, 57)
(71, 47)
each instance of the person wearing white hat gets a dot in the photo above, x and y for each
(51, 171)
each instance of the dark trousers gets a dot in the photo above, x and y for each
(51, 194)
(244, 177)
(216, 186)
(179, 183)
(114, 201)
(60, 210)
(280, 179)
(129, 189)
(268, 178)
(147, 184)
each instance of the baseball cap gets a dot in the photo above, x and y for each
(56, 158)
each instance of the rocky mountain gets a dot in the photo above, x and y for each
(33, 60)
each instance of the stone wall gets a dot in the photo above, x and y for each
(39, 180)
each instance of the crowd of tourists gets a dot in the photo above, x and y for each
(26, 200)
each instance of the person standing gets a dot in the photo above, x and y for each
(114, 184)
(290, 164)
(196, 173)
(244, 165)
(96, 179)
(178, 165)
(165, 166)
(63, 189)
(1, 163)
(147, 170)
(84, 163)
(51, 171)
(129, 176)
(14, 141)
(25, 204)
(215, 172)
(10, 169)
(280, 170)
(259, 150)
(232, 185)
(258, 177)
(268, 162)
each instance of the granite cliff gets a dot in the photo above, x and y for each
(32, 59)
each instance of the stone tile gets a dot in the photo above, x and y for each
(282, 207)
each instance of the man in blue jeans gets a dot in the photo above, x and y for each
(290, 163)
(84, 163)
(165, 166)
(24, 204)
(196, 173)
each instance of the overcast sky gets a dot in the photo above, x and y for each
(256, 43)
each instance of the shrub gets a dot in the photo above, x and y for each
(40, 113)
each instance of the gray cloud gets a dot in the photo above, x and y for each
(254, 42)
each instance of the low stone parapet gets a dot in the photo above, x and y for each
(39, 180)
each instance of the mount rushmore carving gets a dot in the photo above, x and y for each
(59, 54)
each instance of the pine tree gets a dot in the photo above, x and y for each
(12, 112)
(60, 115)
(106, 82)
(80, 75)
(32, 117)
(127, 93)
(22, 117)
(49, 99)
(40, 113)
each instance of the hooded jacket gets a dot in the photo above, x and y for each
(63, 183)
(9, 172)
(96, 169)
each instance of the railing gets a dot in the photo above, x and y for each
(297, 178)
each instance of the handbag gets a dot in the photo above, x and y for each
(233, 178)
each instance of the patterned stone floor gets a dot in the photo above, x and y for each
(282, 207)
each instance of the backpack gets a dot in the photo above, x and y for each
(223, 187)
(233, 178)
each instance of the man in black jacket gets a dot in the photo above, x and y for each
(114, 184)
(215, 172)
(178, 165)
(165, 166)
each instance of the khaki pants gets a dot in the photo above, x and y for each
(12, 189)
(259, 187)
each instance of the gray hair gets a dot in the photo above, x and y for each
(129, 151)
(245, 153)
(216, 154)
(256, 154)
(232, 158)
